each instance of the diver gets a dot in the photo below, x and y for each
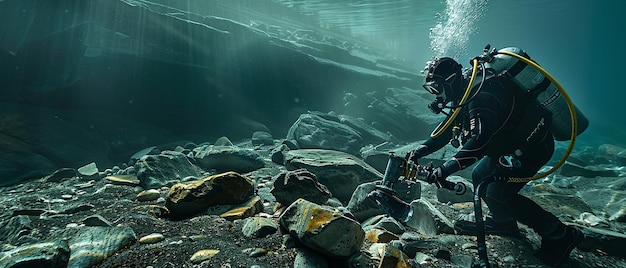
(507, 134)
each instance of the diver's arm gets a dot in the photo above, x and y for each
(431, 145)
(483, 125)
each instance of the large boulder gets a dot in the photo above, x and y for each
(301, 183)
(164, 169)
(227, 158)
(323, 228)
(340, 172)
(311, 131)
(186, 199)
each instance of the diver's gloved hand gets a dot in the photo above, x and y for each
(392, 205)
(437, 175)
(411, 156)
(416, 154)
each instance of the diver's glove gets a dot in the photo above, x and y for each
(391, 204)
(416, 154)
(437, 176)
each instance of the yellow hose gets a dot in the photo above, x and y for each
(439, 130)
(572, 112)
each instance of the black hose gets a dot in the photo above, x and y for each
(480, 225)
(458, 188)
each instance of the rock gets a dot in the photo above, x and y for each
(187, 199)
(616, 153)
(165, 169)
(223, 141)
(278, 154)
(151, 238)
(370, 134)
(382, 108)
(571, 169)
(562, 205)
(54, 254)
(364, 208)
(389, 256)
(299, 183)
(227, 158)
(89, 171)
(309, 259)
(130, 180)
(361, 259)
(414, 242)
(588, 219)
(91, 245)
(291, 144)
(203, 255)
(376, 159)
(152, 150)
(380, 236)
(60, 174)
(340, 172)
(255, 252)
(11, 230)
(428, 220)
(148, 195)
(259, 227)
(606, 241)
(248, 209)
(96, 220)
(262, 138)
(29, 212)
(324, 229)
(75, 208)
(613, 202)
(314, 132)
(383, 222)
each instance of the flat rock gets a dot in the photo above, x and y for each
(91, 245)
(227, 158)
(54, 254)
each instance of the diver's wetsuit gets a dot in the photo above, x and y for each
(492, 123)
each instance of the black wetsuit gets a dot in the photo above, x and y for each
(499, 120)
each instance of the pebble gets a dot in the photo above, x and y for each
(131, 180)
(149, 195)
(151, 238)
(85, 185)
(203, 255)
(255, 252)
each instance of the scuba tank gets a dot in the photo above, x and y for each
(541, 88)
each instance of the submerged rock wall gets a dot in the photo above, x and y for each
(132, 74)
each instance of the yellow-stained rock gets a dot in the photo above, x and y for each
(152, 210)
(393, 258)
(253, 206)
(380, 236)
(151, 238)
(203, 255)
(322, 228)
(230, 188)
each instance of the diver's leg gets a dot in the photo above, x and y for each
(499, 222)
